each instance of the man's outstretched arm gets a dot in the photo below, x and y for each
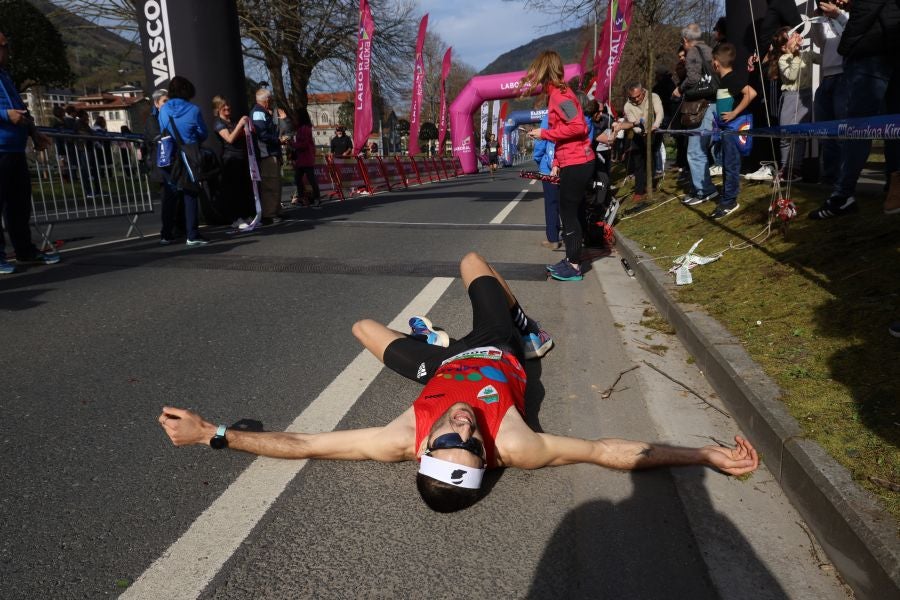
(551, 450)
(390, 443)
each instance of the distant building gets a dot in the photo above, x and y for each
(323, 110)
(119, 107)
(40, 102)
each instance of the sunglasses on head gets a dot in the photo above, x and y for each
(453, 440)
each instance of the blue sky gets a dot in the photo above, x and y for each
(482, 30)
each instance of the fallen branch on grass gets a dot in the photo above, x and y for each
(890, 485)
(687, 387)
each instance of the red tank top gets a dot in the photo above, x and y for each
(487, 379)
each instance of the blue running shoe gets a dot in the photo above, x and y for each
(6, 268)
(537, 344)
(41, 258)
(566, 272)
(422, 326)
(561, 264)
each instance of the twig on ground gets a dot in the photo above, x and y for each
(608, 391)
(890, 485)
(687, 387)
(812, 545)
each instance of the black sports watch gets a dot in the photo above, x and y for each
(218, 441)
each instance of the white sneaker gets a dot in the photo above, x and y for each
(764, 173)
(715, 171)
(239, 224)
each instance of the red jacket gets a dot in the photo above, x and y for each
(567, 129)
(304, 147)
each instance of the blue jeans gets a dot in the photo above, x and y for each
(731, 171)
(551, 210)
(697, 158)
(866, 80)
(831, 104)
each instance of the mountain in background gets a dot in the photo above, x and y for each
(569, 44)
(100, 59)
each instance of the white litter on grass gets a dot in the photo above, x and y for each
(689, 260)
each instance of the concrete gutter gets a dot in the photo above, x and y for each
(859, 536)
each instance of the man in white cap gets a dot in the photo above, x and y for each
(468, 417)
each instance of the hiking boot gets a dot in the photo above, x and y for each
(834, 207)
(421, 326)
(723, 211)
(892, 201)
(537, 344)
(566, 272)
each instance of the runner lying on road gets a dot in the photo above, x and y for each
(469, 415)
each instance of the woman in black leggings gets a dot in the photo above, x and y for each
(574, 158)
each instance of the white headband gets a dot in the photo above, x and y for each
(455, 474)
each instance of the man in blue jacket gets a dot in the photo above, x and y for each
(268, 155)
(16, 126)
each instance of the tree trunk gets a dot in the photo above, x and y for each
(648, 126)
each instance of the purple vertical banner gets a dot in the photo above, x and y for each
(418, 90)
(362, 114)
(445, 71)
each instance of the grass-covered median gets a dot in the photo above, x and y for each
(812, 306)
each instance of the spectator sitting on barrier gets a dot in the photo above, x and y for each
(468, 417)
(304, 148)
(181, 115)
(16, 127)
(341, 145)
(236, 188)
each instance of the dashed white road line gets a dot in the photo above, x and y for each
(187, 567)
(508, 208)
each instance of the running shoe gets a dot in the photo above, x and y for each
(560, 265)
(567, 272)
(764, 173)
(698, 199)
(197, 241)
(537, 344)
(421, 326)
(6, 268)
(723, 211)
(834, 207)
(45, 258)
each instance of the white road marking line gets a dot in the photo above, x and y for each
(532, 182)
(508, 208)
(187, 567)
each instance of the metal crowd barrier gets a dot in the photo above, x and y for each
(86, 177)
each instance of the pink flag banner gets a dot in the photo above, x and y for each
(612, 45)
(445, 71)
(362, 114)
(418, 90)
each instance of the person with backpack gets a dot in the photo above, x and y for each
(181, 119)
(701, 84)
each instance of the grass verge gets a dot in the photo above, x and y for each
(810, 304)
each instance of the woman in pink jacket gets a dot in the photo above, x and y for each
(305, 156)
(574, 158)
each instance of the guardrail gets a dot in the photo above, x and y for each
(86, 177)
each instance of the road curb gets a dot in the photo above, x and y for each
(856, 533)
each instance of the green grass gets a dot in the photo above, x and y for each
(823, 292)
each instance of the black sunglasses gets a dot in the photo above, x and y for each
(454, 440)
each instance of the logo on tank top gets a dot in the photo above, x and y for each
(489, 394)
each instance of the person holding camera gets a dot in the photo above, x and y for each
(16, 126)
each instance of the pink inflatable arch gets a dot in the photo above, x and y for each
(481, 89)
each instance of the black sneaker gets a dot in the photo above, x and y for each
(691, 200)
(834, 207)
(722, 211)
(894, 329)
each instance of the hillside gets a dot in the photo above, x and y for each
(99, 58)
(569, 44)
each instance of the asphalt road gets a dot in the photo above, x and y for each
(255, 331)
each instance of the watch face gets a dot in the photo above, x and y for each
(218, 442)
